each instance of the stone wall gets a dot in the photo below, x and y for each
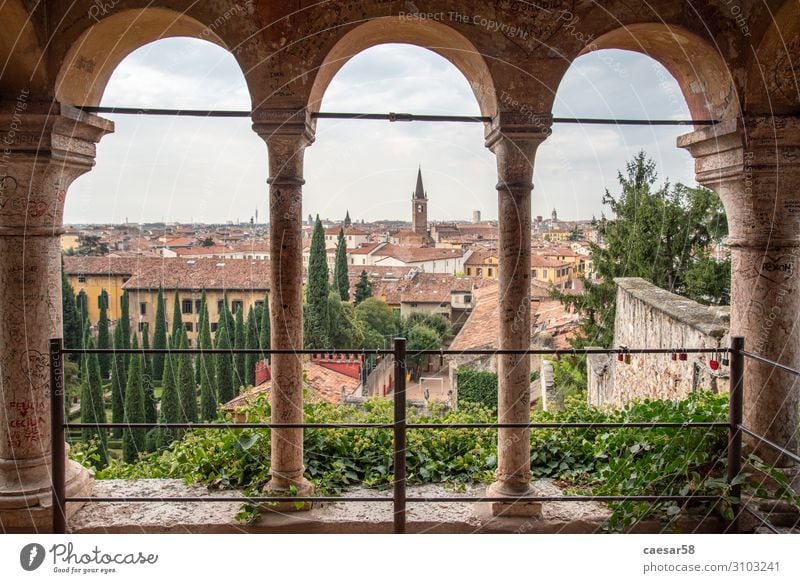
(650, 317)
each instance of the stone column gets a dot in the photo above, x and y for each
(287, 134)
(43, 148)
(754, 166)
(514, 138)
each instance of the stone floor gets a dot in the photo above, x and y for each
(339, 517)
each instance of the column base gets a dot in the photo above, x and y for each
(27, 507)
(283, 487)
(512, 507)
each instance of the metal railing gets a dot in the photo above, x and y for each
(400, 427)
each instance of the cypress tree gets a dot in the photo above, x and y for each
(118, 381)
(317, 291)
(363, 288)
(187, 389)
(71, 318)
(264, 332)
(178, 329)
(134, 439)
(82, 303)
(239, 359)
(340, 279)
(159, 337)
(125, 320)
(150, 414)
(251, 342)
(92, 405)
(170, 402)
(205, 367)
(103, 338)
(224, 369)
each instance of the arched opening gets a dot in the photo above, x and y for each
(92, 59)
(370, 167)
(21, 66)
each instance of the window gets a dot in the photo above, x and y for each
(544, 273)
(469, 271)
(197, 305)
(142, 309)
(186, 307)
(220, 304)
(491, 272)
(534, 274)
(189, 326)
(237, 305)
(259, 303)
(214, 326)
(467, 298)
(479, 272)
(81, 279)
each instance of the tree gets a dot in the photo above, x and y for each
(379, 322)
(315, 316)
(125, 319)
(71, 318)
(187, 389)
(251, 343)
(150, 402)
(224, 368)
(93, 409)
(159, 337)
(575, 234)
(239, 359)
(363, 288)
(134, 439)
(264, 332)
(205, 366)
(660, 234)
(207, 242)
(82, 303)
(439, 323)
(170, 403)
(340, 279)
(103, 338)
(178, 329)
(340, 322)
(118, 381)
(91, 245)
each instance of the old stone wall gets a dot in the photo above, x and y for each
(650, 317)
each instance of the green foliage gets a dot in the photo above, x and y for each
(118, 381)
(159, 337)
(570, 376)
(170, 411)
(133, 439)
(439, 323)
(379, 321)
(206, 367)
(187, 388)
(660, 234)
(93, 409)
(251, 343)
(363, 288)
(477, 386)
(315, 315)
(239, 359)
(597, 461)
(340, 322)
(340, 279)
(264, 330)
(125, 321)
(71, 318)
(224, 367)
(103, 340)
(91, 245)
(178, 329)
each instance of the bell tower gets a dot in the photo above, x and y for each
(419, 208)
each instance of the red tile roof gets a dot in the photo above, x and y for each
(203, 273)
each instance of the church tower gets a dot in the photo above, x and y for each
(419, 208)
(347, 222)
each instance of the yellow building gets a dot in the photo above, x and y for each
(551, 271)
(245, 282)
(483, 264)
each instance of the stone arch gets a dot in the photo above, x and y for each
(92, 58)
(21, 64)
(434, 36)
(701, 72)
(773, 79)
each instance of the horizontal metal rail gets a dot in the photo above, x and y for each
(383, 351)
(418, 499)
(760, 518)
(566, 425)
(771, 444)
(771, 363)
(391, 116)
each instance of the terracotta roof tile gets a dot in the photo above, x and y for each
(203, 273)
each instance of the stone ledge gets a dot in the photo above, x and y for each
(339, 517)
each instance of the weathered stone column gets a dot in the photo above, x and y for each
(754, 166)
(514, 138)
(287, 134)
(43, 148)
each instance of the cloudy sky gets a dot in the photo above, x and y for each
(215, 170)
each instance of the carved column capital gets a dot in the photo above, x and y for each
(287, 134)
(514, 138)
